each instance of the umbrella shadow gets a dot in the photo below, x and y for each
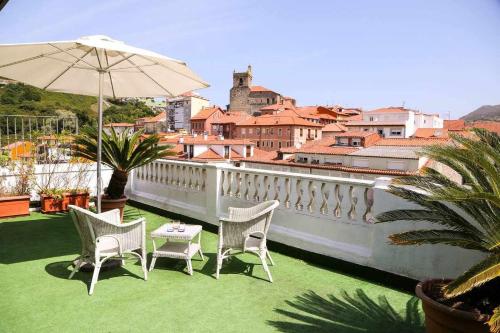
(349, 314)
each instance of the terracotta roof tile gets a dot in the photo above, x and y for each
(259, 89)
(356, 134)
(431, 133)
(334, 127)
(454, 125)
(374, 123)
(278, 119)
(492, 126)
(119, 125)
(205, 113)
(411, 142)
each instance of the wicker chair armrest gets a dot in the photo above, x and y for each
(135, 223)
(247, 214)
(116, 238)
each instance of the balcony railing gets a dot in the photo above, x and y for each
(326, 215)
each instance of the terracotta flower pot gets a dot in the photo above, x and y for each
(50, 204)
(109, 204)
(14, 206)
(78, 199)
(440, 318)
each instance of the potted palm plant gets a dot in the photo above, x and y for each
(122, 152)
(470, 302)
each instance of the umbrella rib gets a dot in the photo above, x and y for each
(109, 73)
(71, 55)
(43, 55)
(119, 61)
(67, 69)
(173, 70)
(143, 72)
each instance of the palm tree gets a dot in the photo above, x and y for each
(122, 152)
(476, 158)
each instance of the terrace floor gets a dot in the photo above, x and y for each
(35, 257)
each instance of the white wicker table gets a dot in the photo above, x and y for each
(178, 245)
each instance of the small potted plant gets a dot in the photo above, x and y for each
(122, 152)
(53, 200)
(15, 196)
(467, 216)
(78, 193)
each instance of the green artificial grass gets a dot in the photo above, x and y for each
(36, 253)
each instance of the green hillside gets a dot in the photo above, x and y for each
(21, 99)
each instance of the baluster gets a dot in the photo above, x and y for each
(368, 200)
(138, 172)
(255, 187)
(237, 185)
(325, 194)
(265, 188)
(222, 176)
(353, 199)
(245, 186)
(337, 212)
(297, 193)
(309, 192)
(177, 181)
(203, 179)
(196, 180)
(189, 177)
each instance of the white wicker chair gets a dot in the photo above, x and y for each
(245, 230)
(104, 237)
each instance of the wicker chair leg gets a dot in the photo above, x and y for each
(94, 278)
(144, 268)
(75, 269)
(269, 256)
(152, 265)
(219, 263)
(264, 265)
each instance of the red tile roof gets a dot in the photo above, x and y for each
(277, 120)
(205, 113)
(159, 117)
(492, 126)
(259, 89)
(232, 117)
(211, 140)
(338, 168)
(390, 109)
(454, 125)
(431, 133)
(334, 127)
(411, 142)
(259, 154)
(374, 123)
(210, 154)
(356, 134)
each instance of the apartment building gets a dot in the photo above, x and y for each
(201, 122)
(272, 132)
(395, 122)
(181, 109)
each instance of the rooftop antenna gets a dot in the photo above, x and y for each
(403, 104)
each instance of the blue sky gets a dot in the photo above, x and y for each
(436, 56)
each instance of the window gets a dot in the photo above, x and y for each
(371, 118)
(272, 131)
(241, 81)
(302, 160)
(272, 144)
(301, 132)
(191, 151)
(258, 144)
(279, 131)
(315, 133)
(279, 144)
(226, 151)
(250, 131)
(288, 131)
(395, 165)
(243, 131)
(249, 151)
(308, 132)
(268, 101)
(257, 131)
(360, 163)
(396, 131)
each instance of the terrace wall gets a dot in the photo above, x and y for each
(326, 215)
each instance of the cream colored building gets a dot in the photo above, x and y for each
(180, 110)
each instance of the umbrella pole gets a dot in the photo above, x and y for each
(99, 141)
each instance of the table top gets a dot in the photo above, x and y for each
(190, 231)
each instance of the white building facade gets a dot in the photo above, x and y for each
(180, 110)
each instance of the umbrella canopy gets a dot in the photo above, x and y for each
(97, 66)
(73, 67)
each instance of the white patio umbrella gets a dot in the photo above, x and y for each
(97, 66)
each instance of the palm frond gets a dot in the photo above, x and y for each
(494, 321)
(477, 275)
(438, 236)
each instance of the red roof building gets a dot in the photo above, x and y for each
(202, 122)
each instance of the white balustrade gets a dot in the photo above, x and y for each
(327, 215)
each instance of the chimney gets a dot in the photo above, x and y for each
(181, 140)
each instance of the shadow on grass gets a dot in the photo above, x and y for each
(31, 239)
(349, 314)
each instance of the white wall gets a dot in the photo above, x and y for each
(63, 175)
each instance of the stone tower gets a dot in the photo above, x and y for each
(240, 92)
